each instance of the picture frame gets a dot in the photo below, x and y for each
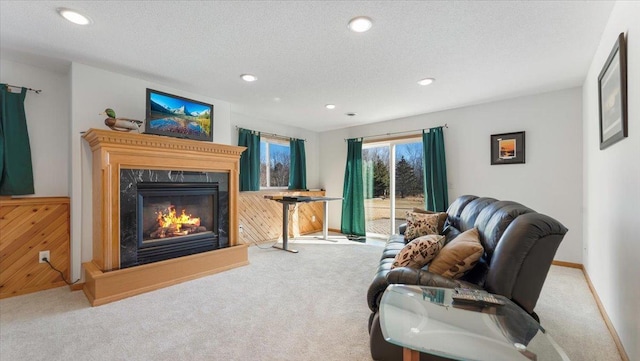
(507, 148)
(612, 95)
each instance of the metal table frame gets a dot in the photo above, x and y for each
(286, 202)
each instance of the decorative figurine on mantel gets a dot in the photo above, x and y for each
(121, 124)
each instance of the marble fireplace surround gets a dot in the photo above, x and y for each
(129, 180)
(114, 152)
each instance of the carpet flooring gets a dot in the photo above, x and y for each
(283, 306)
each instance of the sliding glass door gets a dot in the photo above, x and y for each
(393, 176)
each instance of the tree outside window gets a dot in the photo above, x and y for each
(275, 160)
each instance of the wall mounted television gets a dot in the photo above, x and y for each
(175, 116)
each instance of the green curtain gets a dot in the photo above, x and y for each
(16, 172)
(352, 193)
(436, 196)
(249, 160)
(298, 167)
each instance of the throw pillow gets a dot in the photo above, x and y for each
(442, 217)
(459, 255)
(419, 252)
(420, 224)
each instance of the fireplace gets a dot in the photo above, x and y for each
(175, 220)
(124, 162)
(152, 224)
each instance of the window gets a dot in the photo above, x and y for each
(392, 177)
(274, 162)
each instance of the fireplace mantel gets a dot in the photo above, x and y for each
(113, 151)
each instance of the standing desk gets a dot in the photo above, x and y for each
(289, 200)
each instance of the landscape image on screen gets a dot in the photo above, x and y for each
(179, 116)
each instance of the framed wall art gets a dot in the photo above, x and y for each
(612, 95)
(507, 148)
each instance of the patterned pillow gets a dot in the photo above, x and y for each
(420, 224)
(419, 252)
(459, 255)
(442, 217)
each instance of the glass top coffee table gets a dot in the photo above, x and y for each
(426, 319)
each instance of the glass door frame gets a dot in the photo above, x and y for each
(391, 143)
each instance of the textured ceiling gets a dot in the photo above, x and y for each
(303, 53)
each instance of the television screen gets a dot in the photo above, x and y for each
(176, 116)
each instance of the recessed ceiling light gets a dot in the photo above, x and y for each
(351, 114)
(74, 16)
(249, 77)
(330, 106)
(426, 81)
(360, 24)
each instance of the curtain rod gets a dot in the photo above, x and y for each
(394, 133)
(271, 134)
(37, 91)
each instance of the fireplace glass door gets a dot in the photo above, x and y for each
(176, 219)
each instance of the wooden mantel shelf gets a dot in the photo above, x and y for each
(98, 138)
(113, 151)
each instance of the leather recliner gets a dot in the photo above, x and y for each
(519, 246)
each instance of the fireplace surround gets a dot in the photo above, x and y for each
(124, 162)
(150, 232)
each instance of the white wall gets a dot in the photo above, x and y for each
(312, 149)
(550, 181)
(612, 188)
(47, 122)
(92, 91)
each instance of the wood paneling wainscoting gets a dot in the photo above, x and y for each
(28, 226)
(261, 219)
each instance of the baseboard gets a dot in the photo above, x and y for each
(567, 264)
(605, 317)
(335, 230)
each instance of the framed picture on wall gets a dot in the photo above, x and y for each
(507, 148)
(612, 95)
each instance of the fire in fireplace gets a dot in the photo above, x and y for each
(170, 224)
(176, 219)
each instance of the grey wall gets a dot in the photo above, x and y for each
(550, 181)
(612, 188)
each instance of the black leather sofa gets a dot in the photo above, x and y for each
(519, 246)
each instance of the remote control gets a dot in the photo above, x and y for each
(475, 296)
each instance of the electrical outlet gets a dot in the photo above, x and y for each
(241, 229)
(43, 255)
(313, 218)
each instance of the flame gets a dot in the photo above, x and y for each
(171, 219)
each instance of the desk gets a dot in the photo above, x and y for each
(289, 200)
(426, 319)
